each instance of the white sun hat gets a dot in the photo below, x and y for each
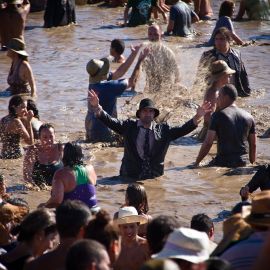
(129, 214)
(186, 244)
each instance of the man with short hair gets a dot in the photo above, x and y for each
(71, 219)
(145, 141)
(181, 18)
(87, 255)
(234, 128)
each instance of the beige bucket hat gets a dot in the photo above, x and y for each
(17, 45)
(129, 214)
(219, 68)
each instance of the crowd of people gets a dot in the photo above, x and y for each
(70, 230)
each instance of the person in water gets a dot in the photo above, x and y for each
(20, 78)
(225, 14)
(234, 129)
(14, 127)
(116, 51)
(145, 141)
(74, 181)
(43, 159)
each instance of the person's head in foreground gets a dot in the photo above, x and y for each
(72, 218)
(87, 255)
(187, 247)
(226, 96)
(158, 230)
(101, 229)
(203, 223)
(154, 33)
(73, 155)
(128, 222)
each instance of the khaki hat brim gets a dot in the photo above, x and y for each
(103, 71)
(228, 71)
(24, 53)
(131, 219)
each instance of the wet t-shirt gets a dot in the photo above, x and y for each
(107, 92)
(141, 10)
(181, 14)
(232, 126)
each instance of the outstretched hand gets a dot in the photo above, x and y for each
(144, 53)
(93, 99)
(204, 109)
(135, 49)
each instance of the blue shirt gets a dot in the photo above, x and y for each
(107, 92)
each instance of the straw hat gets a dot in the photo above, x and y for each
(234, 229)
(97, 69)
(129, 214)
(186, 244)
(17, 45)
(147, 103)
(259, 210)
(219, 68)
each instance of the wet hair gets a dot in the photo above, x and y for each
(202, 223)
(225, 32)
(73, 155)
(158, 230)
(118, 45)
(226, 9)
(45, 126)
(137, 197)
(83, 253)
(102, 230)
(31, 105)
(230, 91)
(15, 101)
(71, 216)
(36, 221)
(237, 209)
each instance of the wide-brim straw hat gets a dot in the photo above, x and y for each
(129, 214)
(17, 45)
(258, 213)
(186, 244)
(147, 103)
(234, 229)
(97, 69)
(218, 69)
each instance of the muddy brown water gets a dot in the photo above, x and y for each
(58, 57)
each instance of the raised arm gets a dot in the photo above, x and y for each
(126, 65)
(112, 123)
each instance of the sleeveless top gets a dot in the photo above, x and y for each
(11, 147)
(17, 85)
(84, 191)
(43, 173)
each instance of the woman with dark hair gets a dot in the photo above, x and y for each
(36, 123)
(20, 78)
(102, 229)
(43, 159)
(74, 181)
(36, 234)
(223, 51)
(136, 196)
(14, 127)
(225, 14)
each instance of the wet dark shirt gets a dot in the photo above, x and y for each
(232, 126)
(261, 179)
